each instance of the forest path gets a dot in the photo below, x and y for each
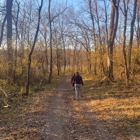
(70, 119)
(58, 116)
(58, 111)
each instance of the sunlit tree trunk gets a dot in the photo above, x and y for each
(124, 40)
(111, 38)
(101, 49)
(131, 37)
(138, 28)
(94, 36)
(106, 28)
(50, 38)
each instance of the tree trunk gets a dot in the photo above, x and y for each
(106, 29)
(50, 28)
(16, 24)
(58, 60)
(2, 29)
(131, 37)
(94, 37)
(124, 42)
(32, 49)
(9, 38)
(46, 54)
(64, 57)
(111, 38)
(138, 28)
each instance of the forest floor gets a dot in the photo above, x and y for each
(104, 112)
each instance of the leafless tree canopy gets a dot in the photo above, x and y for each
(98, 37)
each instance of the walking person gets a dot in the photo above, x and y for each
(78, 83)
(72, 80)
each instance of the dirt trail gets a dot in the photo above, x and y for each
(57, 116)
(70, 119)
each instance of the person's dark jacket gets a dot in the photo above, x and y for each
(78, 80)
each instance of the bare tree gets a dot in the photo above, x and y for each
(57, 44)
(112, 34)
(2, 29)
(32, 49)
(63, 39)
(94, 35)
(50, 38)
(125, 11)
(138, 23)
(9, 4)
(101, 47)
(16, 47)
(51, 19)
(131, 37)
(43, 32)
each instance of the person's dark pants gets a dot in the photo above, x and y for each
(73, 86)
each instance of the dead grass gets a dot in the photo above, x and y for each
(117, 105)
(25, 119)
